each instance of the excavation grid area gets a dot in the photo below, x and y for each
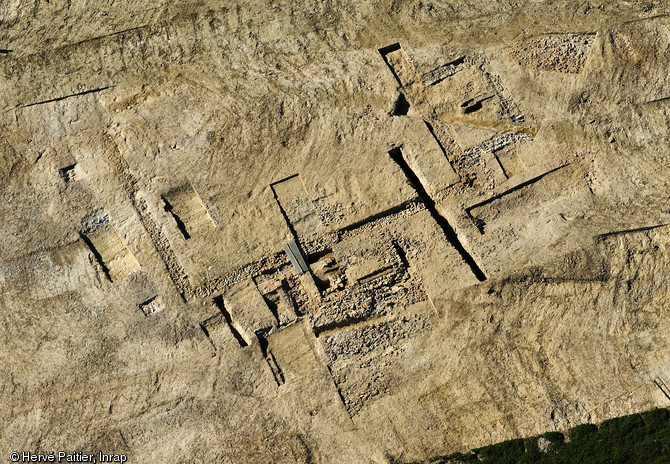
(449, 233)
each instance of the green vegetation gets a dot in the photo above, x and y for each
(635, 439)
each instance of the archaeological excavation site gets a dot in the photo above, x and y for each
(352, 232)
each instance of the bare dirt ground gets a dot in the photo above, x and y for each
(479, 191)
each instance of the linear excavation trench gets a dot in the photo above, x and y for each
(449, 232)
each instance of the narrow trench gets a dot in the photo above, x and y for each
(290, 299)
(449, 232)
(431, 129)
(180, 224)
(283, 212)
(347, 323)
(401, 254)
(78, 94)
(96, 255)
(660, 384)
(277, 373)
(370, 219)
(204, 329)
(272, 306)
(288, 221)
(515, 188)
(276, 370)
(374, 274)
(385, 51)
(226, 315)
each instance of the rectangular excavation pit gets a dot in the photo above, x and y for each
(473, 100)
(399, 64)
(151, 306)
(189, 211)
(327, 272)
(449, 233)
(247, 309)
(467, 97)
(307, 384)
(298, 209)
(276, 295)
(111, 251)
(293, 350)
(363, 255)
(68, 173)
(219, 332)
(223, 318)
